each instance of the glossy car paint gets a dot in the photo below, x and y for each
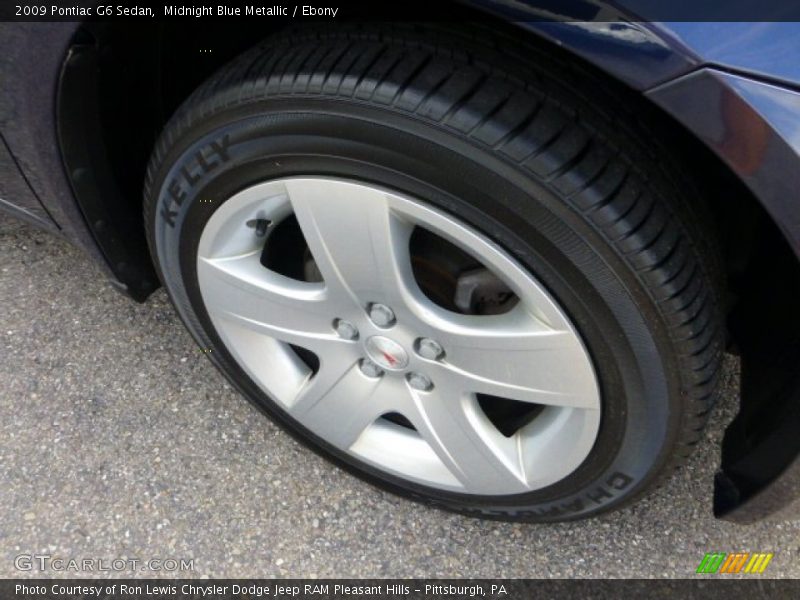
(753, 126)
(13, 185)
(733, 85)
(765, 50)
(31, 56)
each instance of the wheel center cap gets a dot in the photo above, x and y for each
(387, 353)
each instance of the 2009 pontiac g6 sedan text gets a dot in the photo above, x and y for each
(491, 266)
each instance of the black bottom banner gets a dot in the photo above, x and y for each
(421, 589)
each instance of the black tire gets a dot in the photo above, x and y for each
(526, 150)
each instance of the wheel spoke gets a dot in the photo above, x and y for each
(359, 243)
(339, 403)
(240, 289)
(478, 455)
(515, 356)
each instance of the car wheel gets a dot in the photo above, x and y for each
(443, 266)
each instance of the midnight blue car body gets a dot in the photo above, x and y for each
(733, 86)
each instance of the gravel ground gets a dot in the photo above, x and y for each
(119, 439)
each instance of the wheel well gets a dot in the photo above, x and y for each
(122, 82)
(119, 85)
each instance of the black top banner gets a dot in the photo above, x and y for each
(391, 589)
(408, 10)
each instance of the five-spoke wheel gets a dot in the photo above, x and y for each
(383, 348)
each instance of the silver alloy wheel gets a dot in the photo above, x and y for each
(359, 237)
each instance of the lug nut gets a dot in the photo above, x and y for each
(420, 382)
(345, 329)
(430, 349)
(369, 368)
(381, 315)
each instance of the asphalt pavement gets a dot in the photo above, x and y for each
(120, 440)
